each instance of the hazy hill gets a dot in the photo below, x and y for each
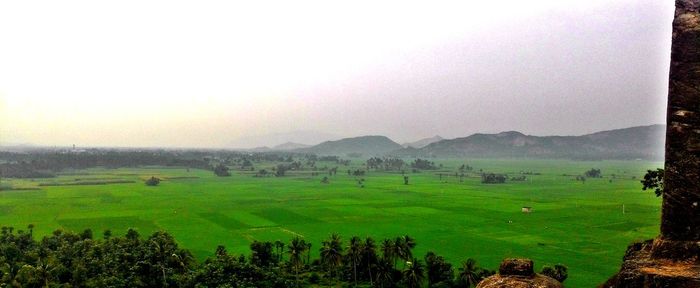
(423, 142)
(365, 145)
(300, 136)
(290, 146)
(642, 142)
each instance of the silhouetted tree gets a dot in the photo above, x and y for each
(414, 274)
(654, 179)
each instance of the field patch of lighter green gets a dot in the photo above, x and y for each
(579, 224)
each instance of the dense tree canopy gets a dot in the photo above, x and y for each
(66, 259)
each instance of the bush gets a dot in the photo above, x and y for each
(153, 181)
(559, 272)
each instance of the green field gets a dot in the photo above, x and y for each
(579, 224)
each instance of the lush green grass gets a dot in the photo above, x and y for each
(578, 224)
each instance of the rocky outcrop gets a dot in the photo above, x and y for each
(641, 269)
(673, 259)
(518, 273)
(681, 206)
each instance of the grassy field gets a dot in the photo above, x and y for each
(579, 224)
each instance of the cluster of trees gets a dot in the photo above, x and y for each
(593, 173)
(386, 164)
(423, 164)
(518, 178)
(280, 170)
(336, 159)
(66, 259)
(492, 178)
(221, 170)
(356, 172)
(44, 164)
(262, 173)
(465, 168)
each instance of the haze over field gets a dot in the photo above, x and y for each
(175, 74)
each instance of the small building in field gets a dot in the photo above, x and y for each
(526, 209)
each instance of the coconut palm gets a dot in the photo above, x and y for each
(384, 271)
(410, 243)
(468, 273)
(354, 253)
(414, 274)
(296, 249)
(308, 253)
(30, 227)
(402, 248)
(369, 256)
(398, 250)
(332, 253)
(279, 249)
(388, 250)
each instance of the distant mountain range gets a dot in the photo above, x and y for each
(364, 146)
(642, 142)
(423, 142)
(264, 142)
(289, 146)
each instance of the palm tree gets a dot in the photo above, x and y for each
(308, 253)
(469, 273)
(332, 253)
(388, 250)
(409, 242)
(354, 252)
(296, 249)
(279, 247)
(369, 256)
(30, 227)
(384, 270)
(401, 250)
(404, 245)
(414, 274)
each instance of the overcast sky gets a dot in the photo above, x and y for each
(215, 74)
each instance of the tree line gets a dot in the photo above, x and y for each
(67, 259)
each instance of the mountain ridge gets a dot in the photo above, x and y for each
(423, 142)
(639, 142)
(370, 145)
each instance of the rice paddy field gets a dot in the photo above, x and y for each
(584, 225)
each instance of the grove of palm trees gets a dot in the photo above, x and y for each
(67, 259)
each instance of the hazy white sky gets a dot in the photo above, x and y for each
(206, 73)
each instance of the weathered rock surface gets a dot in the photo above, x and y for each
(681, 206)
(518, 273)
(641, 269)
